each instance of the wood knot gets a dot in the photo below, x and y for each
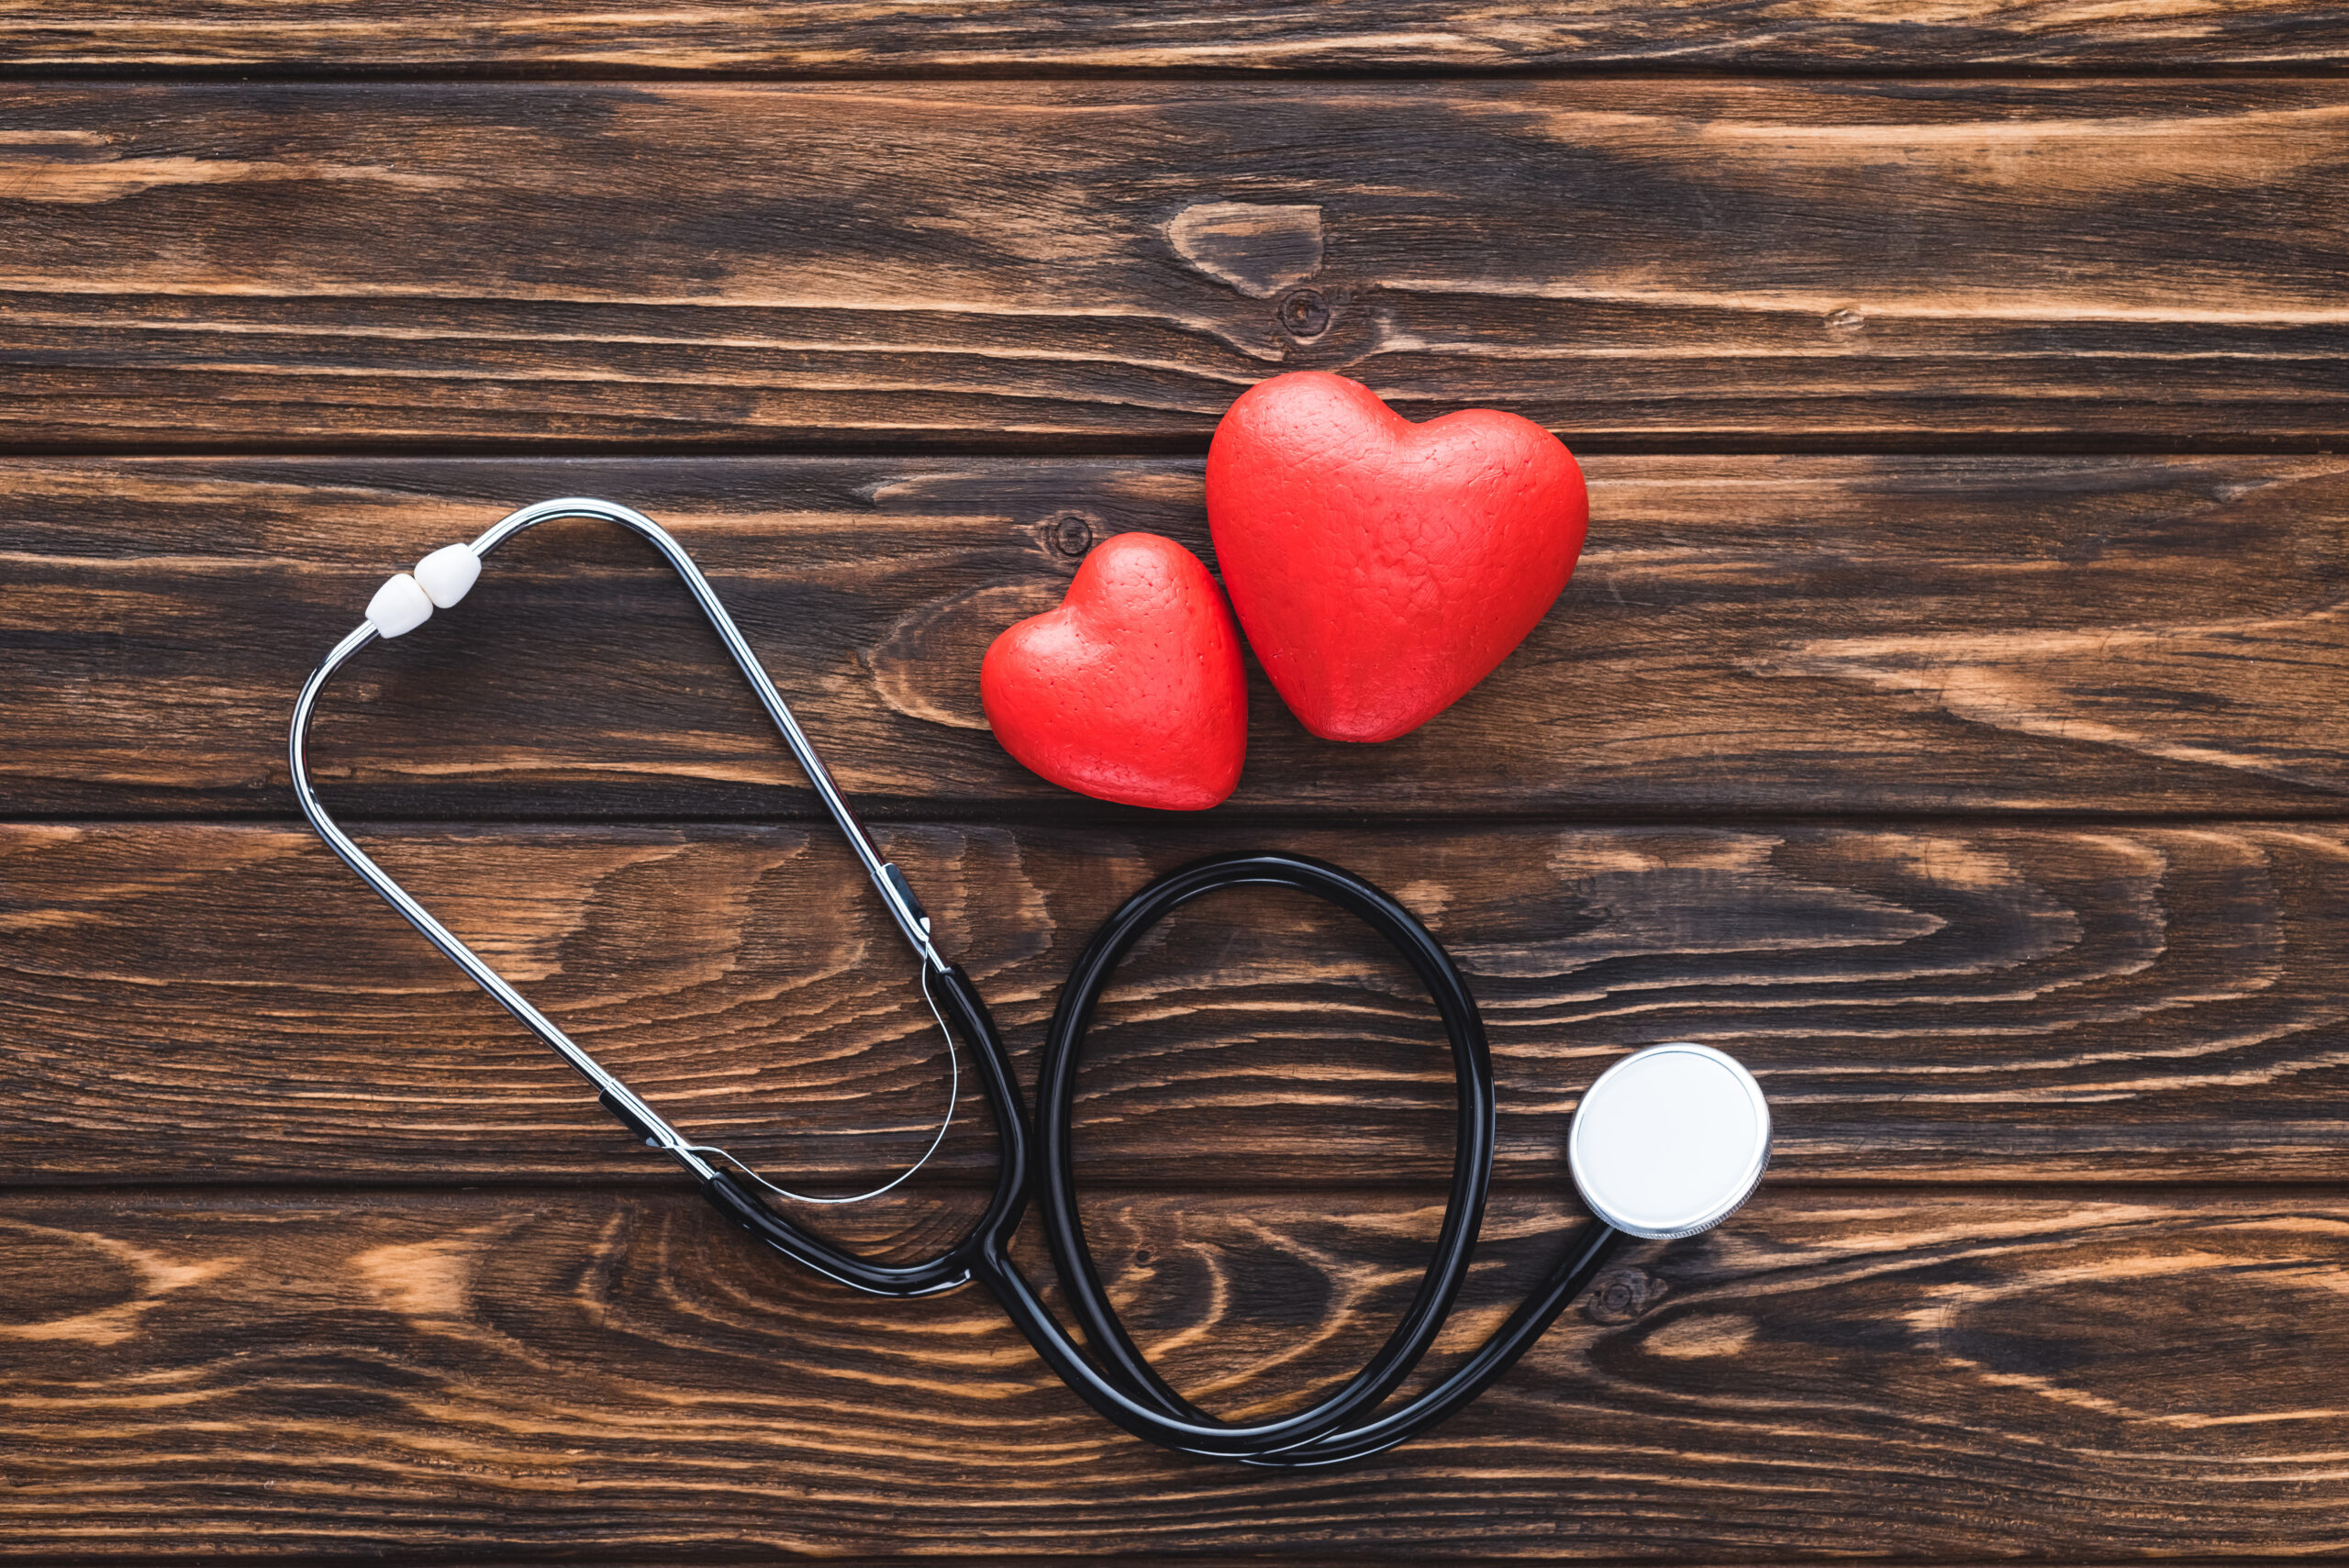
(1068, 535)
(1304, 315)
(1622, 1295)
(1259, 250)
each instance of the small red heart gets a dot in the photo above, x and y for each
(1382, 568)
(1132, 690)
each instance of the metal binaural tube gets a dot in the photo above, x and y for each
(623, 1102)
(903, 907)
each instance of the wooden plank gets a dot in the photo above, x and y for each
(534, 1373)
(1806, 36)
(202, 1003)
(1882, 262)
(1745, 634)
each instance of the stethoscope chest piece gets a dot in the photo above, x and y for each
(1670, 1141)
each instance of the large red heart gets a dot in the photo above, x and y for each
(1382, 568)
(1133, 689)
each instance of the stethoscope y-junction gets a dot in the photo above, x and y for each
(1666, 1143)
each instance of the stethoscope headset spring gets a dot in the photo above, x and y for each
(1685, 1106)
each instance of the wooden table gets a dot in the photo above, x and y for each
(1947, 717)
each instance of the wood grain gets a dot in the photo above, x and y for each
(191, 1003)
(993, 265)
(1935, 1376)
(1804, 635)
(851, 36)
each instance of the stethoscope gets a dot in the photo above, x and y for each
(1666, 1143)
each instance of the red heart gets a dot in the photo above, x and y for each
(1382, 568)
(1132, 690)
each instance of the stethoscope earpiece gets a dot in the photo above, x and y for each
(1670, 1141)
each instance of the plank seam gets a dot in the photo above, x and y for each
(662, 1179)
(576, 74)
(1142, 447)
(1048, 814)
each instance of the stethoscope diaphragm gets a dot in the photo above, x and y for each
(1670, 1141)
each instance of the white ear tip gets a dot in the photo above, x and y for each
(398, 607)
(448, 573)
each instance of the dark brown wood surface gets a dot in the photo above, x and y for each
(2115, 1374)
(1039, 263)
(1944, 1002)
(1745, 634)
(862, 36)
(1946, 717)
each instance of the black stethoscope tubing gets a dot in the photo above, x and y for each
(1124, 1386)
